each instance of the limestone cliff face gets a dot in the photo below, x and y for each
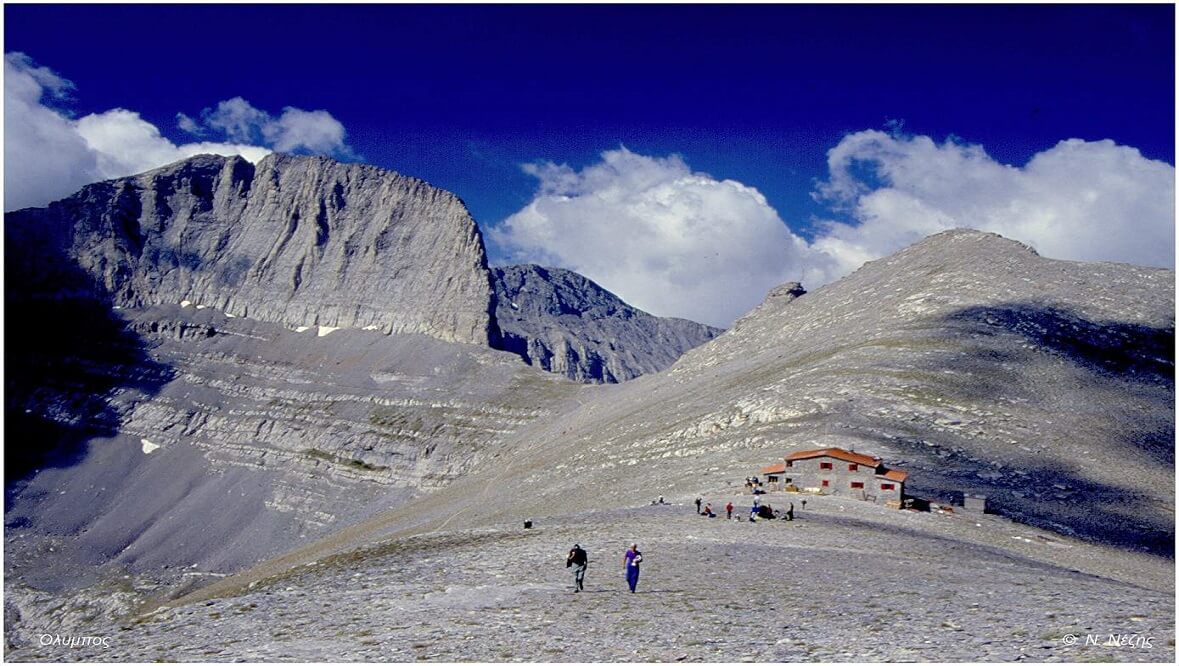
(300, 241)
(567, 324)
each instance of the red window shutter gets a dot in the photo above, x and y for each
(887, 486)
(851, 467)
(825, 482)
(824, 465)
(857, 484)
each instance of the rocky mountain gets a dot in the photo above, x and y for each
(194, 411)
(284, 348)
(566, 323)
(298, 241)
(278, 349)
(966, 360)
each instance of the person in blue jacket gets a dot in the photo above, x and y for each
(630, 564)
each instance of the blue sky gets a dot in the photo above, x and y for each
(462, 96)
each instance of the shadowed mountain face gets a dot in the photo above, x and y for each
(73, 366)
(565, 323)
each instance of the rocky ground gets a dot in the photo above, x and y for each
(846, 581)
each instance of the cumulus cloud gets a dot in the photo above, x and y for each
(676, 242)
(1081, 200)
(294, 131)
(315, 131)
(44, 155)
(126, 144)
(48, 154)
(664, 238)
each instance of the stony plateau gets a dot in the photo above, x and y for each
(297, 492)
(565, 323)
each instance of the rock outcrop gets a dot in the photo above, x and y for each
(566, 323)
(300, 241)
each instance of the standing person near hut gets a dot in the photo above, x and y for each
(579, 560)
(729, 511)
(630, 564)
(790, 512)
(698, 501)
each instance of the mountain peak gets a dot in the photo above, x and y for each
(302, 241)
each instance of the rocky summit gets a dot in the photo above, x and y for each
(200, 469)
(566, 323)
(298, 241)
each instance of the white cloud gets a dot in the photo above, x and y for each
(49, 155)
(315, 131)
(127, 144)
(1086, 201)
(237, 118)
(189, 125)
(679, 243)
(665, 239)
(295, 130)
(44, 156)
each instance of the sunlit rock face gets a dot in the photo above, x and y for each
(300, 241)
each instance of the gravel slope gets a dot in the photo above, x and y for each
(847, 581)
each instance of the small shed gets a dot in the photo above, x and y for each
(773, 475)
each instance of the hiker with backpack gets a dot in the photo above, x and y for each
(579, 560)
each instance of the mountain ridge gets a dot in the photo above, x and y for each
(568, 324)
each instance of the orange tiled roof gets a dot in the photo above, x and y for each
(774, 469)
(840, 454)
(895, 475)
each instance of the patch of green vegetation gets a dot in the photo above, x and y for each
(334, 459)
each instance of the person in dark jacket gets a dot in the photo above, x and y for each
(579, 560)
(698, 501)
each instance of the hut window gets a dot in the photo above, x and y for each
(852, 467)
(824, 465)
(887, 486)
(857, 484)
(825, 483)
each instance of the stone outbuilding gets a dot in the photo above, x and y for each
(840, 472)
(773, 476)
